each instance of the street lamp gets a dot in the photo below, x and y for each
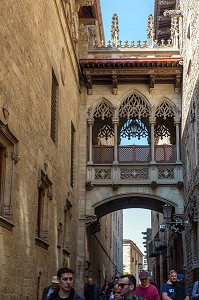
(178, 226)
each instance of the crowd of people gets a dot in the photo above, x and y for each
(123, 288)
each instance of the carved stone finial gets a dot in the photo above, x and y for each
(174, 31)
(150, 30)
(114, 30)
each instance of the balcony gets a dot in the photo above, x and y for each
(134, 154)
(134, 165)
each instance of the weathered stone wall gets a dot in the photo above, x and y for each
(34, 40)
(190, 137)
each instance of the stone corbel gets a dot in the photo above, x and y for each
(177, 84)
(90, 219)
(89, 84)
(15, 157)
(114, 83)
(151, 84)
(67, 206)
(89, 186)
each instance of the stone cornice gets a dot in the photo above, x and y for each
(143, 70)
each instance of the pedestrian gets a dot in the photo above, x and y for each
(91, 290)
(174, 289)
(127, 283)
(48, 290)
(195, 291)
(65, 290)
(113, 283)
(106, 291)
(117, 292)
(145, 289)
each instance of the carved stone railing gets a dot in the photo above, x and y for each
(144, 173)
(134, 44)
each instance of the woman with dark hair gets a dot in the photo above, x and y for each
(106, 291)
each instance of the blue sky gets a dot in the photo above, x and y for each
(132, 18)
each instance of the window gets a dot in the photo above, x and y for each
(72, 155)
(54, 99)
(8, 159)
(44, 195)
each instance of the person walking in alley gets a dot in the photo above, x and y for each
(195, 291)
(127, 283)
(65, 290)
(91, 290)
(145, 289)
(50, 288)
(173, 289)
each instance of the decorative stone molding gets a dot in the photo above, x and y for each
(6, 223)
(41, 243)
(89, 84)
(173, 13)
(177, 84)
(151, 84)
(114, 82)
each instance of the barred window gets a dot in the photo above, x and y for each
(44, 195)
(72, 154)
(54, 99)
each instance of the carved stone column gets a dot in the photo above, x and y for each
(177, 124)
(115, 123)
(90, 128)
(152, 121)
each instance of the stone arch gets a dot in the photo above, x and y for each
(101, 114)
(134, 198)
(165, 113)
(102, 108)
(134, 110)
(135, 104)
(166, 108)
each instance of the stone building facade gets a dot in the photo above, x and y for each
(132, 259)
(60, 85)
(40, 121)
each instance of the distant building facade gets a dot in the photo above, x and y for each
(132, 258)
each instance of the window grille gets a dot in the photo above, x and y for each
(72, 155)
(44, 195)
(54, 98)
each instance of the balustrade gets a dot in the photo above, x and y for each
(134, 154)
